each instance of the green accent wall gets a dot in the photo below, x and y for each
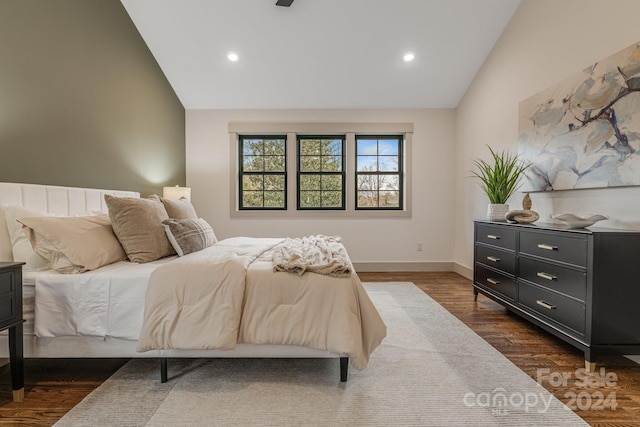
(83, 102)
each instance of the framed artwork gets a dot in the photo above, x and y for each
(584, 132)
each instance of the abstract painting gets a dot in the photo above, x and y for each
(584, 132)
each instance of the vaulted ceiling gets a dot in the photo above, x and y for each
(320, 53)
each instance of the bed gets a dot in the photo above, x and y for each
(105, 311)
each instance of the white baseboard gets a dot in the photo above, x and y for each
(378, 267)
(463, 271)
(383, 267)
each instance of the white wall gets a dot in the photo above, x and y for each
(367, 240)
(545, 42)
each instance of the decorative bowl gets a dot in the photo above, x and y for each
(576, 221)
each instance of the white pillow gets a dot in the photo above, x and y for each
(20, 244)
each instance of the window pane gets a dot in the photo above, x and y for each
(389, 199)
(332, 182)
(388, 147)
(274, 147)
(367, 182)
(274, 199)
(274, 182)
(331, 147)
(309, 163)
(389, 182)
(310, 147)
(367, 199)
(252, 147)
(331, 163)
(367, 147)
(310, 182)
(252, 199)
(367, 163)
(252, 182)
(274, 163)
(253, 164)
(388, 163)
(309, 199)
(332, 199)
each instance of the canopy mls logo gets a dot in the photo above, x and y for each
(501, 402)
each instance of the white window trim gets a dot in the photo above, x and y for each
(295, 128)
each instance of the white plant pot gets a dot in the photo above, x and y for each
(497, 211)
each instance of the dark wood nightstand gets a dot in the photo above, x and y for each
(11, 318)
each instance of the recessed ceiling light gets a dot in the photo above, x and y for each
(409, 56)
(232, 56)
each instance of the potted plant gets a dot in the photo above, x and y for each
(499, 180)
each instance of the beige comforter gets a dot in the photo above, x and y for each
(228, 294)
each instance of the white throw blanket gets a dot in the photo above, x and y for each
(318, 254)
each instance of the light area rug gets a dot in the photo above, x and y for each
(431, 370)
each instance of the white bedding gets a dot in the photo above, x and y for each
(106, 302)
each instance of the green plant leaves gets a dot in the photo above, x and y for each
(500, 179)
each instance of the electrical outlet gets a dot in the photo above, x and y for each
(419, 247)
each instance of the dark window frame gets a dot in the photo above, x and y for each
(399, 173)
(263, 173)
(342, 173)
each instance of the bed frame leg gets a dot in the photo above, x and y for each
(344, 369)
(163, 370)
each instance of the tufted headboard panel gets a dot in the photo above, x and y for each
(50, 199)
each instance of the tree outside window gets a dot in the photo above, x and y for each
(321, 172)
(262, 174)
(379, 172)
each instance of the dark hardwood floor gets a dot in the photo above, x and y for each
(53, 387)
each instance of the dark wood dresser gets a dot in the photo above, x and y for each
(582, 285)
(11, 318)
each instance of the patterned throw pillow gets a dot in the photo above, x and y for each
(189, 235)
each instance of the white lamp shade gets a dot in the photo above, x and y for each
(176, 192)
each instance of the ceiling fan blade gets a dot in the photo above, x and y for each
(285, 3)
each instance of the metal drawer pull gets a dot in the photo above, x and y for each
(493, 281)
(546, 276)
(494, 259)
(546, 305)
(493, 236)
(547, 247)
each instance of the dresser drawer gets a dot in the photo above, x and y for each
(7, 313)
(496, 258)
(556, 247)
(495, 281)
(502, 237)
(551, 276)
(6, 282)
(561, 309)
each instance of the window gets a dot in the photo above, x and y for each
(263, 173)
(321, 172)
(379, 172)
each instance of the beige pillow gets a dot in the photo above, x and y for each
(178, 209)
(137, 224)
(74, 244)
(189, 235)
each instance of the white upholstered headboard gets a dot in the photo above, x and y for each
(50, 199)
